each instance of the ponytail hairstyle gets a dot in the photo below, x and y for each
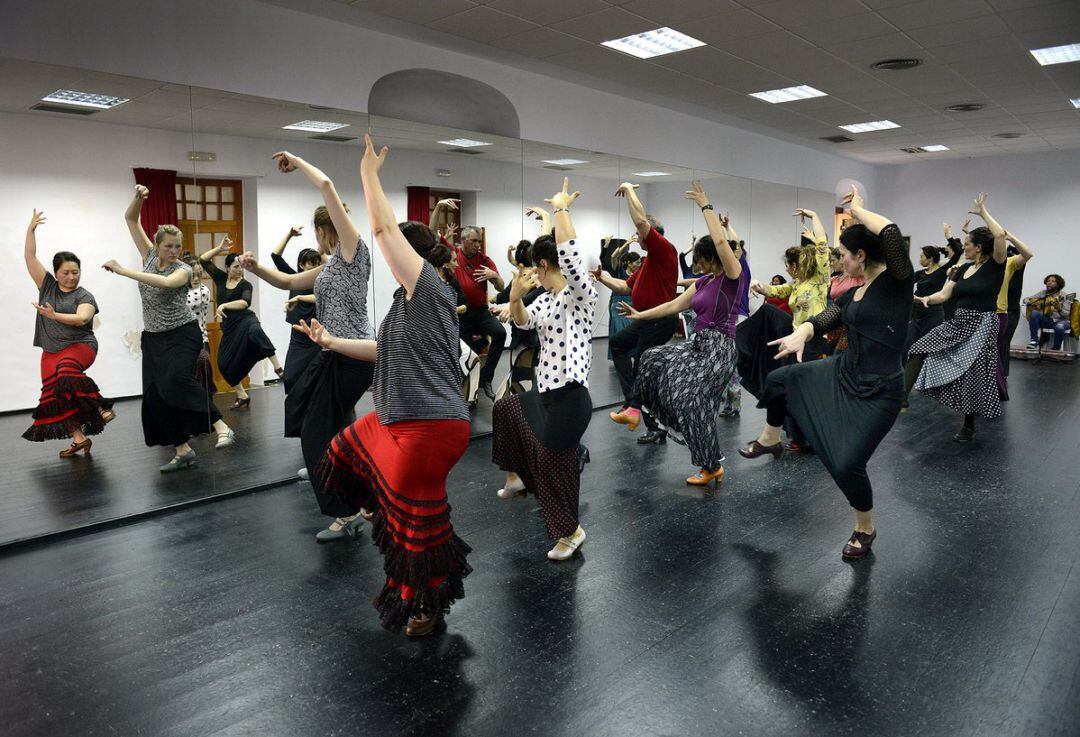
(803, 260)
(424, 241)
(307, 256)
(858, 237)
(544, 248)
(230, 259)
(934, 253)
(983, 240)
(322, 220)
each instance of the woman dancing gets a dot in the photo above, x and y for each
(323, 399)
(959, 358)
(71, 406)
(174, 407)
(199, 299)
(683, 385)
(846, 404)
(299, 306)
(243, 342)
(395, 460)
(537, 434)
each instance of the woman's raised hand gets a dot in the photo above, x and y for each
(296, 231)
(980, 205)
(112, 266)
(141, 192)
(248, 261)
(524, 280)
(563, 199)
(37, 219)
(697, 194)
(372, 162)
(853, 198)
(286, 162)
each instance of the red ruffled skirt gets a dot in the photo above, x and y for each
(398, 471)
(70, 400)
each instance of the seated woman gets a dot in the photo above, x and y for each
(1050, 308)
(778, 302)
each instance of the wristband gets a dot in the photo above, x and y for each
(706, 207)
(561, 209)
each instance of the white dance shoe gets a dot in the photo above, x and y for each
(513, 489)
(567, 546)
(225, 440)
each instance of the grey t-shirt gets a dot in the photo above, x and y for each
(52, 336)
(164, 309)
(341, 291)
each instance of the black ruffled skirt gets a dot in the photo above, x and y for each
(243, 344)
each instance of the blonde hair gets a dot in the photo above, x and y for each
(164, 230)
(803, 260)
(323, 220)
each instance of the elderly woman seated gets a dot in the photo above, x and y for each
(1050, 309)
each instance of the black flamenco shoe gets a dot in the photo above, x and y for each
(583, 458)
(653, 437)
(241, 403)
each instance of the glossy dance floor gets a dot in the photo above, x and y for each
(688, 613)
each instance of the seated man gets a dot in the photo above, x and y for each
(1050, 309)
(474, 272)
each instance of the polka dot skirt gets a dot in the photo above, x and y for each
(960, 368)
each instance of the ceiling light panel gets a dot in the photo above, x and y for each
(654, 43)
(314, 126)
(876, 125)
(1057, 54)
(1075, 101)
(788, 94)
(464, 143)
(85, 99)
(650, 174)
(564, 162)
(935, 148)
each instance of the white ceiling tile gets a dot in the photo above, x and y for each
(934, 12)
(415, 11)
(1051, 35)
(852, 27)
(1046, 16)
(792, 13)
(721, 68)
(605, 25)
(482, 24)
(720, 30)
(671, 12)
(865, 52)
(539, 43)
(984, 28)
(549, 11)
(1003, 6)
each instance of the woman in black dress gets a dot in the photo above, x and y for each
(243, 342)
(846, 404)
(960, 357)
(300, 307)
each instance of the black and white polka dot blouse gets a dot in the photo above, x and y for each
(564, 322)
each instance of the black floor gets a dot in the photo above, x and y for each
(41, 495)
(688, 613)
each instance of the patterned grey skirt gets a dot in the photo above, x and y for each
(683, 386)
(960, 368)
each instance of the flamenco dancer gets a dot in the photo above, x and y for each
(199, 299)
(70, 405)
(959, 358)
(846, 404)
(243, 342)
(299, 306)
(684, 385)
(395, 460)
(537, 434)
(175, 408)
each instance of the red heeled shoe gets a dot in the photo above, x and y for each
(74, 449)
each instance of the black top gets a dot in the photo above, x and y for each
(526, 337)
(877, 324)
(1016, 286)
(927, 284)
(606, 253)
(303, 310)
(222, 292)
(980, 291)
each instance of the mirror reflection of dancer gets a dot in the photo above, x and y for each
(323, 399)
(846, 404)
(537, 434)
(299, 306)
(174, 407)
(199, 299)
(71, 406)
(395, 460)
(243, 342)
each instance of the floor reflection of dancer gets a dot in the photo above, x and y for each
(846, 404)
(70, 405)
(537, 434)
(683, 385)
(243, 342)
(299, 306)
(199, 300)
(323, 399)
(395, 460)
(174, 407)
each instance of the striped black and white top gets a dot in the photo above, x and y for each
(417, 375)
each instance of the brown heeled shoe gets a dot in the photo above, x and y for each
(108, 416)
(756, 449)
(705, 477)
(865, 540)
(74, 449)
(422, 626)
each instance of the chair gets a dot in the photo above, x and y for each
(471, 361)
(521, 372)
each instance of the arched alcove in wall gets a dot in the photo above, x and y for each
(440, 98)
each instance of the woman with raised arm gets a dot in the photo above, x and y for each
(846, 404)
(683, 385)
(243, 342)
(174, 407)
(537, 434)
(299, 306)
(395, 460)
(323, 398)
(71, 406)
(732, 405)
(199, 300)
(959, 358)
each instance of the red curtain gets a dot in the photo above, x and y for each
(160, 206)
(419, 207)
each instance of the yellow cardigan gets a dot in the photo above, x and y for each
(808, 298)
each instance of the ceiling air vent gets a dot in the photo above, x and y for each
(838, 139)
(967, 107)
(47, 108)
(914, 150)
(468, 151)
(896, 64)
(321, 108)
(1007, 135)
(557, 168)
(334, 139)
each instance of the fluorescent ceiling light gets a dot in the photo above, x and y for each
(1075, 101)
(564, 162)
(314, 126)
(654, 43)
(877, 125)
(650, 173)
(464, 143)
(802, 92)
(1057, 54)
(935, 148)
(85, 99)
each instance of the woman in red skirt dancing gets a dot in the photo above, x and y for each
(71, 405)
(394, 461)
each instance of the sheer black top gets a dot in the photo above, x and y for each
(222, 292)
(927, 284)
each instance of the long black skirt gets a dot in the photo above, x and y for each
(243, 344)
(537, 436)
(175, 407)
(320, 405)
(302, 351)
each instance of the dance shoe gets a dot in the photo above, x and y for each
(630, 417)
(794, 446)
(755, 449)
(705, 477)
(566, 546)
(303, 474)
(865, 540)
(487, 390)
(582, 458)
(423, 625)
(241, 403)
(74, 449)
(224, 441)
(653, 437)
(340, 529)
(178, 463)
(965, 435)
(108, 416)
(729, 412)
(511, 490)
